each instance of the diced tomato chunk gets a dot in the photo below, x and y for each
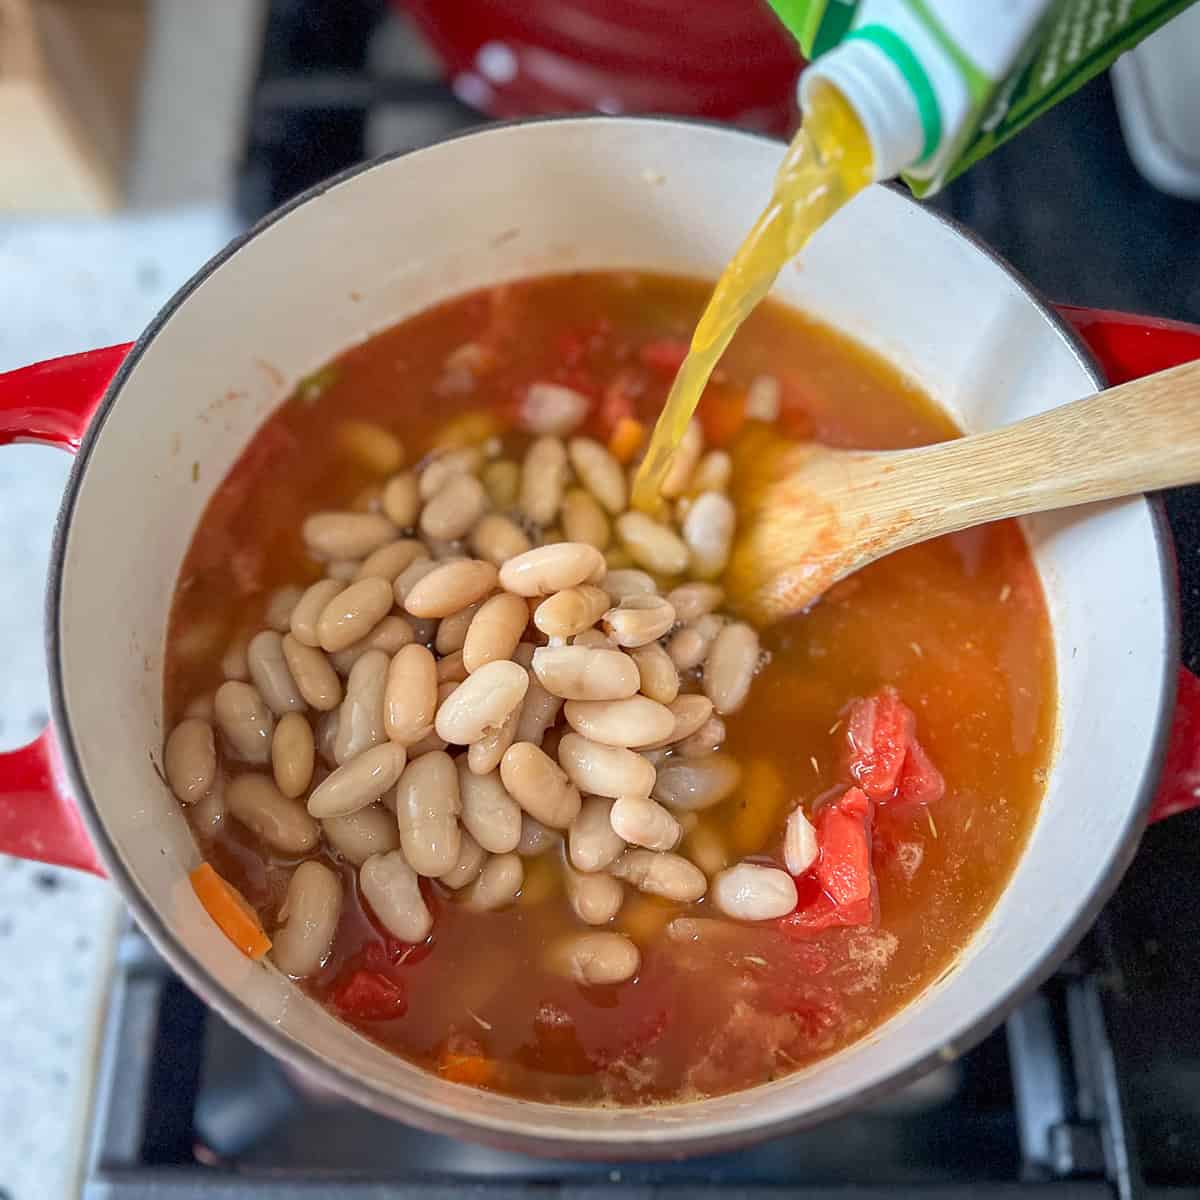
(879, 732)
(920, 781)
(722, 414)
(369, 996)
(664, 354)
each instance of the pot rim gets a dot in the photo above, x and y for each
(602, 1145)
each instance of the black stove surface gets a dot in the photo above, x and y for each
(1092, 1088)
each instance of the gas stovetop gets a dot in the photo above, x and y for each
(1092, 1088)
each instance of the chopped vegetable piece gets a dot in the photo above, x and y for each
(467, 1068)
(880, 730)
(626, 439)
(617, 403)
(920, 781)
(369, 996)
(232, 913)
(664, 354)
(722, 414)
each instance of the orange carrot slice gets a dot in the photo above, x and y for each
(467, 1068)
(229, 908)
(626, 439)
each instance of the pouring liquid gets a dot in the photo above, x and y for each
(827, 164)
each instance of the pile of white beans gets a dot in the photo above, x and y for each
(496, 665)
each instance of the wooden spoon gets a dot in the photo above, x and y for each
(809, 515)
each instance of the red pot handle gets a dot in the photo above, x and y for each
(49, 403)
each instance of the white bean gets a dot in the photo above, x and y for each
(636, 721)
(690, 712)
(604, 770)
(346, 535)
(684, 460)
(358, 782)
(713, 472)
(539, 785)
(389, 635)
(694, 600)
(594, 639)
(389, 561)
(391, 887)
(233, 661)
(292, 755)
(452, 630)
(451, 586)
(653, 545)
(410, 695)
(583, 520)
(799, 842)
(540, 708)
(595, 898)
(583, 673)
(691, 784)
(536, 838)
(497, 885)
(482, 703)
(730, 667)
(310, 916)
(749, 892)
(548, 569)
(326, 737)
(314, 676)
(657, 675)
(401, 500)
(550, 408)
(280, 607)
(708, 531)
(450, 669)
(439, 471)
(309, 608)
(489, 814)
(628, 582)
(244, 720)
(543, 479)
(495, 630)
(599, 472)
(257, 803)
(641, 821)
(661, 874)
(427, 810)
(471, 857)
(353, 613)
(484, 755)
(411, 576)
(709, 737)
(497, 538)
(594, 958)
(763, 399)
(591, 841)
(689, 646)
(190, 759)
(503, 482)
(454, 509)
(706, 848)
(638, 620)
(361, 716)
(358, 835)
(571, 611)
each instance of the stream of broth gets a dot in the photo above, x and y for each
(957, 625)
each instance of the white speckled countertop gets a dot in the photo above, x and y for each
(69, 285)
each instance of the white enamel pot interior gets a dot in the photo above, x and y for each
(385, 241)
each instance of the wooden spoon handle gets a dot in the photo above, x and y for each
(1138, 437)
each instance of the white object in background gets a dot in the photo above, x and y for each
(1157, 85)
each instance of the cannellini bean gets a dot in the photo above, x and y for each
(689, 646)
(326, 737)
(638, 620)
(389, 635)
(604, 770)
(657, 676)
(543, 479)
(593, 638)
(749, 892)
(484, 755)
(571, 611)
(411, 576)
(466, 460)
(503, 482)
(799, 842)
(550, 408)
(540, 708)
(401, 500)
(343, 570)
(653, 545)
(489, 814)
(358, 835)
(426, 745)
(592, 842)
(536, 838)
(497, 539)
(547, 569)
(706, 848)
(244, 720)
(359, 782)
(309, 608)
(730, 667)
(233, 662)
(495, 630)
(257, 803)
(371, 445)
(452, 630)
(694, 600)
(713, 472)
(599, 472)
(661, 874)
(583, 520)
(392, 889)
(346, 535)
(684, 460)
(310, 916)
(636, 721)
(361, 716)
(450, 669)
(190, 759)
(596, 898)
(269, 673)
(641, 821)
(691, 784)
(209, 811)
(582, 673)
(388, 561)
(690, 712)
(497, 885)
(594, 958)
(453, 510)
(762, 399)
(471, 857)
(451, 586)
(539, 785)
(280, 607)
(353, 613)
(292, 755)
(314, 676)
(709, 737)
(628, 582)
(708, 530)
(427, 809)
(482, 702)
(618, 559)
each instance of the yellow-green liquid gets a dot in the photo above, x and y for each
(827, 164)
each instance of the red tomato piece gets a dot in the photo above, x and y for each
(920, 781)
(572, 346)
(664, 354)
(369, 996)
(617, 403)
(880, 731)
